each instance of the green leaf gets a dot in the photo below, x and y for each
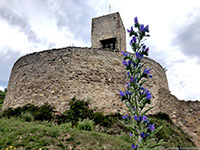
(148, 110)
(131, 128)
(140, 84)
(160, 143)
(156, 130)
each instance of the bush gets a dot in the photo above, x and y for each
(78, 110)
(42, 113)
(27, 116)
(86, 124)
(162, 116)
(105, 121)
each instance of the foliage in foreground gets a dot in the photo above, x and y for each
(137, 97)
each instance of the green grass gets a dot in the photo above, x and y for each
(48, 135)
(35, 135)
(23, 131)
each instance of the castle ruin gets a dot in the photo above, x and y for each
(95, 74)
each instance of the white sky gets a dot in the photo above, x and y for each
(27, 26)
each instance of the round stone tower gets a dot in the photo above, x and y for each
(95, 74)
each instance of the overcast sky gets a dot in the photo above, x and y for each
(27, 26)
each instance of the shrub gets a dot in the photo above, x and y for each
(42, 113)
(78, 110)
(86, 124)
(27, 116)
(105, 121)
(162, 116)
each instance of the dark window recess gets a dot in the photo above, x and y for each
(109, 43)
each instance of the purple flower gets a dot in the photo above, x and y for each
(129, 62)
(151, 127)
(147, 71)
(145, 119)
(134, 146)
(142, 88)
(136, 20)
(133, 40)
(128, 85)
(124, 54)
(130, 134)
(143, 47)
(146, 134)
(136, 118)
(134, 109)
(147, 50)
(142, 28)
(130, 30)
(132, 79)
(140, 118)
(128, 73)
(128, 93)
(138, 55)
(125, 63)
(148, 95)
(146, 29)
(124, 117)
(142, 135)
(134, 65)
(121, 93)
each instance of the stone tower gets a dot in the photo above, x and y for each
(108, 32)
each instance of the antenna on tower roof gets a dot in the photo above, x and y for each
(109, 8)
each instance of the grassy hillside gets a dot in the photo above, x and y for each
(36, 135)
(37, 128)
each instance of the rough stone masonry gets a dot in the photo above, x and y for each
(95, 74)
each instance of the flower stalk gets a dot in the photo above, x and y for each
(136, 97)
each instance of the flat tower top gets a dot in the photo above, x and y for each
(108, 32)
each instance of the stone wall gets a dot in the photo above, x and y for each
(184, 114)
(55, 76)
